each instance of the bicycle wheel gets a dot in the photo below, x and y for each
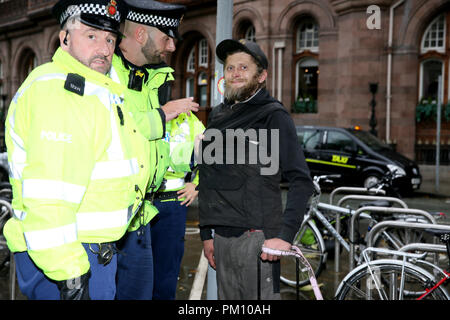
(4, 251)
(394, 239)
(310, 242)
(384, 282)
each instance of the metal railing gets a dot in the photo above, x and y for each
(368, 210)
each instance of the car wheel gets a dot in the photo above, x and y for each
(371, 180)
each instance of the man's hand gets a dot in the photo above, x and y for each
(75, 289)
(277, 244)
(189, 193)
(173, 108)
(208, 251)
(197, 141)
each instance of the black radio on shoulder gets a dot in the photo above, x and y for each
(136, 79)
(75, 83)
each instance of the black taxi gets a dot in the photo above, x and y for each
(358, 156)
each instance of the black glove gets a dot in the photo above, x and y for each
(76, 288)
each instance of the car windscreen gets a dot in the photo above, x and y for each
(370, 140)
(309, 139)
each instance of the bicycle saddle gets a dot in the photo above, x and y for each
(444, 235)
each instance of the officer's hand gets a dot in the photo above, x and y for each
(173, 108)
(75, 289)
(208, 251)
(277, 244)
(189, 193)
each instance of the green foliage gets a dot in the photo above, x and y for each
(427, 110)
(305, 105)
(446, 111)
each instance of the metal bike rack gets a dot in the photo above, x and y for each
(430, 247)
(337, 245)
(386, 210)
(405, 225)
(372, 198)
(12, 265)
(412, 246)
(355, 190)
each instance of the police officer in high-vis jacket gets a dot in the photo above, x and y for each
(79, 165)
(148, 25)
(172, 201)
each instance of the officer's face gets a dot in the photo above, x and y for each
(92, 47)
(242, 78)
(158, 46)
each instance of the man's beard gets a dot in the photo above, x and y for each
(242, 93)
(150, 53)
(88, 61)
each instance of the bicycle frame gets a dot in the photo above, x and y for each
(376, 227)
(338, 210)
(398, 224)
(375, 279)
(416, 257)
(441, 282)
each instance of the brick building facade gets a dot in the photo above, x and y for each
(323, 54)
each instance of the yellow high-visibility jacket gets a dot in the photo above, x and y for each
(179, 139)
(144, 105)
(79, 165)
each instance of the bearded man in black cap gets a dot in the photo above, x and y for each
(240, 200)
(150, 30)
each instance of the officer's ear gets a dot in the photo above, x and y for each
(141, 35)
(63, 39)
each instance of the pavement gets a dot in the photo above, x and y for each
(434, 183)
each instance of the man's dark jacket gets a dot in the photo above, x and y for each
(237, 197)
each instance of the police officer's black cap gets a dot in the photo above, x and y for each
(228, 46)
(164, 16)
(101, 14)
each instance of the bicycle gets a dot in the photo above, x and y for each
(310, 239)
(406, 279)
(6, 258)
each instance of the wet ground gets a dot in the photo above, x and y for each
(328, 280)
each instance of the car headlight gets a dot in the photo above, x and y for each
(396, 170)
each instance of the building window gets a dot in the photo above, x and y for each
(307, 78)
(197, 76)
(434, 36)
(203, 56)
(28, 63)
(433, 63)
(306, 66)
(250, 34)
(191, 61)
(430, 71)
(246, 30)
(307, 36)
(433, 58)
(190, 87)
(202, 88)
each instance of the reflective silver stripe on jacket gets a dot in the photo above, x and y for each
(174, 184)
(87, 221)
(52, 189)
(51, 238)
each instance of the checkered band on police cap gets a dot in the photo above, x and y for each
(152, 19)
(88, 8)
